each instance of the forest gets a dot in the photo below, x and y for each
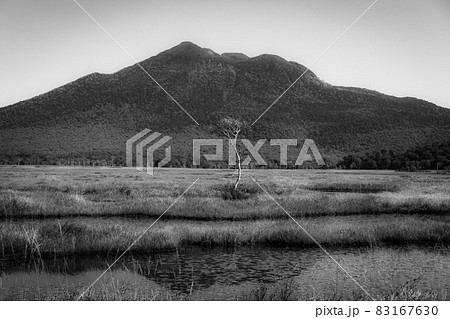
(435, 156)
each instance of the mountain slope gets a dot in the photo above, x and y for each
(94, 115)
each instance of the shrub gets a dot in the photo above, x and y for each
(243, 191)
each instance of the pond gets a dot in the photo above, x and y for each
(230, 274)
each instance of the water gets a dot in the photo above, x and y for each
(218, 274)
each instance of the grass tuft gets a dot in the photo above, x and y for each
(11, 206)
(243, 191)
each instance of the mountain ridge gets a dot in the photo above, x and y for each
(106, 109)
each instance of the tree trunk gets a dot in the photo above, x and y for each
(239, 171)
(239, 164)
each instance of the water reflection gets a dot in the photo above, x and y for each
(224, 274)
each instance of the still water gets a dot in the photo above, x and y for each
(218, 274)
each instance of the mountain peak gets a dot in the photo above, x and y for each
(188, 50)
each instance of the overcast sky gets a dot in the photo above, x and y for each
(400, 47)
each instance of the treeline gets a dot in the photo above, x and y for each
(94, 159)
(434, 156)
(428, 157)
(118, 160)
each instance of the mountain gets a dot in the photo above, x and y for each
(92, 117)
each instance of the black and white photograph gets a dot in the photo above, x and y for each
(240, 150)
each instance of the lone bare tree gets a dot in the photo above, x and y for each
(231, 127)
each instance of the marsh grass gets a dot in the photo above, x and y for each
(410, 290)
(111, 237)
(10, 206)
(254, 205)
(60, 193)
(33, 241)
(284, 290)
(52, 212)
(354, 187)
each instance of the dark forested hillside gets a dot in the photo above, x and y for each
(88, 121)
(434, 156)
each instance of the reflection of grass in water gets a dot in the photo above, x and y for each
(127, 284)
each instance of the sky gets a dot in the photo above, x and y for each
(399, 47)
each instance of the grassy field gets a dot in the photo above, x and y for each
(67, 210)
(115, 290)
(50, 211)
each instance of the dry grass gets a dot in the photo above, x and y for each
(110, 237)
(209, 200)
(417, 212)
(47, 211)
(284, 290)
